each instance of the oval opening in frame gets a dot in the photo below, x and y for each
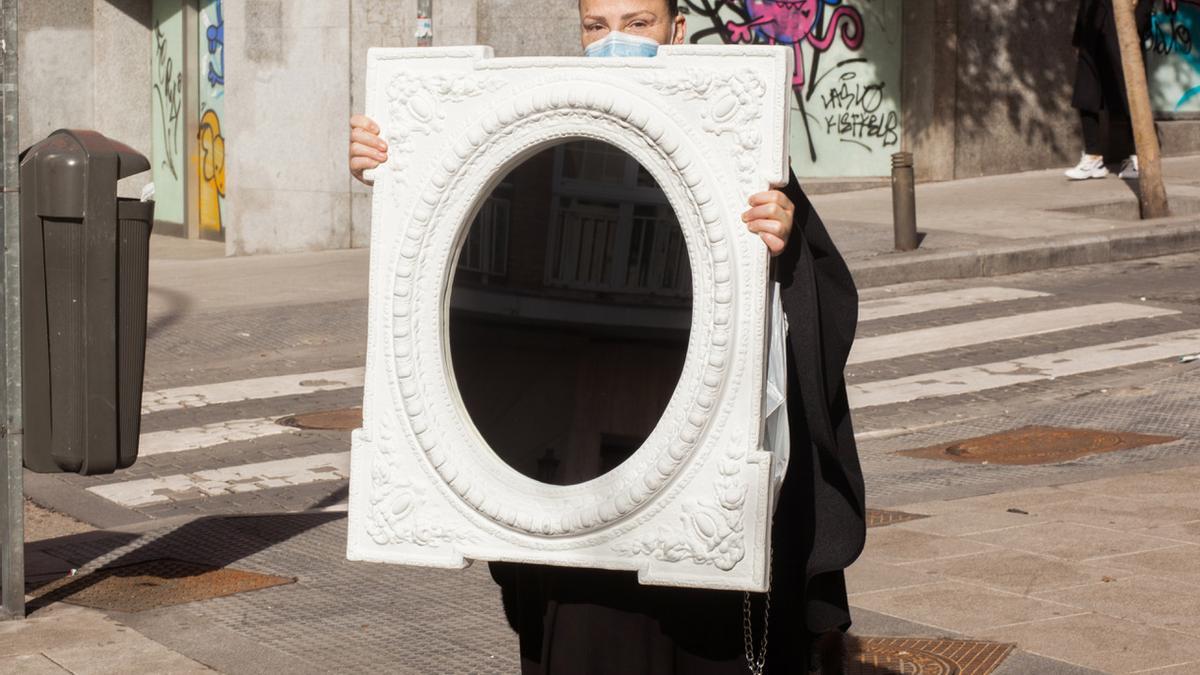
(570, 312)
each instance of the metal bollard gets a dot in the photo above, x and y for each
(904, 202)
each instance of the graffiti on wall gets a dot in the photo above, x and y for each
(211, 140)
(167, 149)
(1173, 56)
(168, 98)
(212, 171)
(846, 109)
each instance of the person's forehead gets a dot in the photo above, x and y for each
(607, 7)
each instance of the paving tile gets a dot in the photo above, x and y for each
(1182, 532)
(1019, 572)
(1119, 512)
(959, 607)
(1021, 499)
(30, 664)
(86, 642)
(1177, 669)
(895, 545)
(969, 522)
(1143, 599)
(1180, 563)
(1071, 541)
(1145, 485)
(865, 576)
(114, 657)
(32, 635)
(1101, 642)
(1193, 471)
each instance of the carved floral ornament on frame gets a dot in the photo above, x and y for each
(691, 506)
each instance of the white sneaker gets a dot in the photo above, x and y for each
(1129, 168)
(1090, 166)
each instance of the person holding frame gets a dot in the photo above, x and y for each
(603, 622)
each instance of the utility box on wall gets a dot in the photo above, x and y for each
(84, 269)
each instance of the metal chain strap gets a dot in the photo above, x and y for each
(757, 662)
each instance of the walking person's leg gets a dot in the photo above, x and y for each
(1091, 164)
(1120, 130)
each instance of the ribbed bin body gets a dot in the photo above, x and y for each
(84, 285)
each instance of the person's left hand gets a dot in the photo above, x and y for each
(770, 217)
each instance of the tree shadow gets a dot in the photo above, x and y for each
(1016, 68)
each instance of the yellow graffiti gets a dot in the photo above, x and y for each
(212, 172)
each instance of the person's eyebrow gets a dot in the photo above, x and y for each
(630, 15)
(593, 17)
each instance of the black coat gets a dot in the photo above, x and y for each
(598, 622)
(1099, 77)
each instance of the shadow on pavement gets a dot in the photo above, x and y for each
(215, 541)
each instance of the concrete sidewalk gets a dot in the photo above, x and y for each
(64, 638)
(1100, 574)
(999, 225)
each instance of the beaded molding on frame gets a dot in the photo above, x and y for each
(692, 506)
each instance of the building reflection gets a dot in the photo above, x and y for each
(570, 312)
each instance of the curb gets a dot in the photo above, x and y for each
(1146, 241)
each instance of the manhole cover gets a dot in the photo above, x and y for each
(1036, 445)
(327, 420)
(881, 518)
(153, 584)
(920, 656)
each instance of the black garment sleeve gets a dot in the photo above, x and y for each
(825, 494)
(1080, 23)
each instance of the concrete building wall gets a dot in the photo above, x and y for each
(929, 86)
(56, 73)
(985, 89)
(988, 89)
(373, 23)
(524, 28)
(286, 110)
(122, 52)
(82, 64)
(1016, 70)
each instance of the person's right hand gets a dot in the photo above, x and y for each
(367, 149)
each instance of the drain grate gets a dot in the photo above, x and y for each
(881, 518)
(1036, 445)
(153, 584)
(327, 420)
(922, 656)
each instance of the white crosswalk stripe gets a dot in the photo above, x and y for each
(887, 308)
(228, 480)
(971, 379)
(195, 438)
(284, 473)
(245, 390)
(941, 338)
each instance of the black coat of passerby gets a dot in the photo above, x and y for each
(1100, 79)
(606, 620)
(1100, 88)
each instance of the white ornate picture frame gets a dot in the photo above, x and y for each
(691, 507)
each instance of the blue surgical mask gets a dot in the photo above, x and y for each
(617, 43)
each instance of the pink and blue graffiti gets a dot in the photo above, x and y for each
(796, 22)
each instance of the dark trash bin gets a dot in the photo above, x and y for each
(84, 267)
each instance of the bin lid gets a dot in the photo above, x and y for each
(87, 143)
(60, 162)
